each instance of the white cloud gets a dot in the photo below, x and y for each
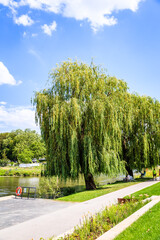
(17, 118)
(5, 2)
(48, 29)
(3, 103)
(24, 34)
(34, 35)
(24, 20)
(97, 12)
(6, 77)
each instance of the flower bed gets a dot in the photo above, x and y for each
(94, 226)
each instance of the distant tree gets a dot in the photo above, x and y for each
(22, 145)
(3, 136)
(8, 145)
(81, 117)
(28, 145)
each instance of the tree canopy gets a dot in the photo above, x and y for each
(21, 145)
(91, 124)
(141, 145)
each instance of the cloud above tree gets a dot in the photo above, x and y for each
(98, 13)
(20, 117)
(48, 29)
(24, 20)
(6, 77)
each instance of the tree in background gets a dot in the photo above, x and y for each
(141, 144)
(22, 146)
(3, 136)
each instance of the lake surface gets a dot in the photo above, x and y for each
(8, 185)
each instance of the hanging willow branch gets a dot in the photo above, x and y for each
(143, 142)
(90, 123)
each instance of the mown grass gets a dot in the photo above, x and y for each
(90, 194)
(145, 228)
(16, 171)
(150, 191)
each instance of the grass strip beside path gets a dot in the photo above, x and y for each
(150, 191)
(145, 228)
(90, 194)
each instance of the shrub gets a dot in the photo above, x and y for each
(65, 191)
(26, 174)
(48, 187)
(4, 162)
(2, 172)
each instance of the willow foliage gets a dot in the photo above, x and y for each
(91, 123)
(80, 120)
(142, 144)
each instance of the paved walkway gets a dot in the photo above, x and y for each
(16, 210)
(63, 220)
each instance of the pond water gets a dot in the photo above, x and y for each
(8, 185)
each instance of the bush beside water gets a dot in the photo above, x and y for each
(4, 162)
(48, 188)
(16, 171)
(51, 187)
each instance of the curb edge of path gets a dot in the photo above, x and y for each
(120, 227)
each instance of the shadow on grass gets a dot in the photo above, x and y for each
(66, 191)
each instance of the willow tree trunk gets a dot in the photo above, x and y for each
(129, 170)
(125, 157)
(89, 181)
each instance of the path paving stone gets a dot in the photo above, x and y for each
(17, 210)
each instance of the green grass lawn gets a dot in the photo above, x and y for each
(87, 195)
(146, 227)
(150, 191)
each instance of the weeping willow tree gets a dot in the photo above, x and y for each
(141, 144)
(81, 117)
(91, 124)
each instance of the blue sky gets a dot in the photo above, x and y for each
(121, 35)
